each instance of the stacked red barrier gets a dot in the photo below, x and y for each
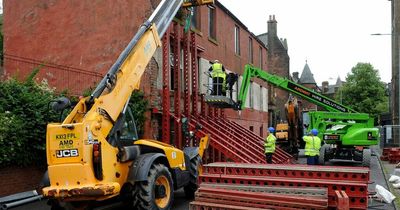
(391, 154)
(245, 196)
(353, 181)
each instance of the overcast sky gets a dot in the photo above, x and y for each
(332, 35)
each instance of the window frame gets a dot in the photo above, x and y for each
(237, 39)
(251, 56)
(260, 57)
(212, 26)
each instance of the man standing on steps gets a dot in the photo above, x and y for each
(269, 144)
(313, 144)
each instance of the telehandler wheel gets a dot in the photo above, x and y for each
(157, 193)
(195, 170)
(366, 159)
(322, 154)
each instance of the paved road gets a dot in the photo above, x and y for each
(180, 203)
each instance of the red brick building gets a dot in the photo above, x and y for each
(77, 41)
(84, 38)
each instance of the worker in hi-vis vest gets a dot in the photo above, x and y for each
(219, 78)
(269, 144)
(313, 144)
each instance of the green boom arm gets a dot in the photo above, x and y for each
(288, 85)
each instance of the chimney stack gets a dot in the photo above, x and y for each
(325, 86)
(272, 30)
(295, 76)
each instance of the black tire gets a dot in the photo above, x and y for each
(366, 159)
(322, 154)
(146, 192)
(193, 185)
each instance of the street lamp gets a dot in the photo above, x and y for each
(379, 34)
(395, 110)
(395, 91)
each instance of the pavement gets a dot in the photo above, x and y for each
(380, 173)
(180, 203)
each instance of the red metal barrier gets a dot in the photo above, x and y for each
(357, 192)
(197, 205)
(259, 199)
(342, 200)
(353, 181)
(354, 174)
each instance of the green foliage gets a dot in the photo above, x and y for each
(139, 105)
(23, 119)
(364, 91)
(1, 38)
(24, 115)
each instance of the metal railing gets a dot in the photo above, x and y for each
(390, 136)
(219, 87)
(63, 78)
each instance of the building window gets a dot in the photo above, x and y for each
(251, 50)
(195, 22)
(261, 98)
(251, 95)
(252, 128)
(237, 40)
(261, 58)
(212, 31)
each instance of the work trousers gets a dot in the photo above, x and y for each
(268, 157)
(217, 86)
(312, 160)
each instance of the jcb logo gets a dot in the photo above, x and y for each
(67, 153)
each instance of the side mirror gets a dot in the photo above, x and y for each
(60, 104)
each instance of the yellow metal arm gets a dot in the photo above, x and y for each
(192, 3)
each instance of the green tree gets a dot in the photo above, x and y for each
(364, 91)
(139, 105)
(1, 39)
(23, 119)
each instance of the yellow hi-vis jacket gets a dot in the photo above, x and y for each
(217, 71)
(313, 144)
(269, 143)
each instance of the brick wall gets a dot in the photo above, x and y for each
(19, 179)
(223, 47)
(91, 34)
(83, 34)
